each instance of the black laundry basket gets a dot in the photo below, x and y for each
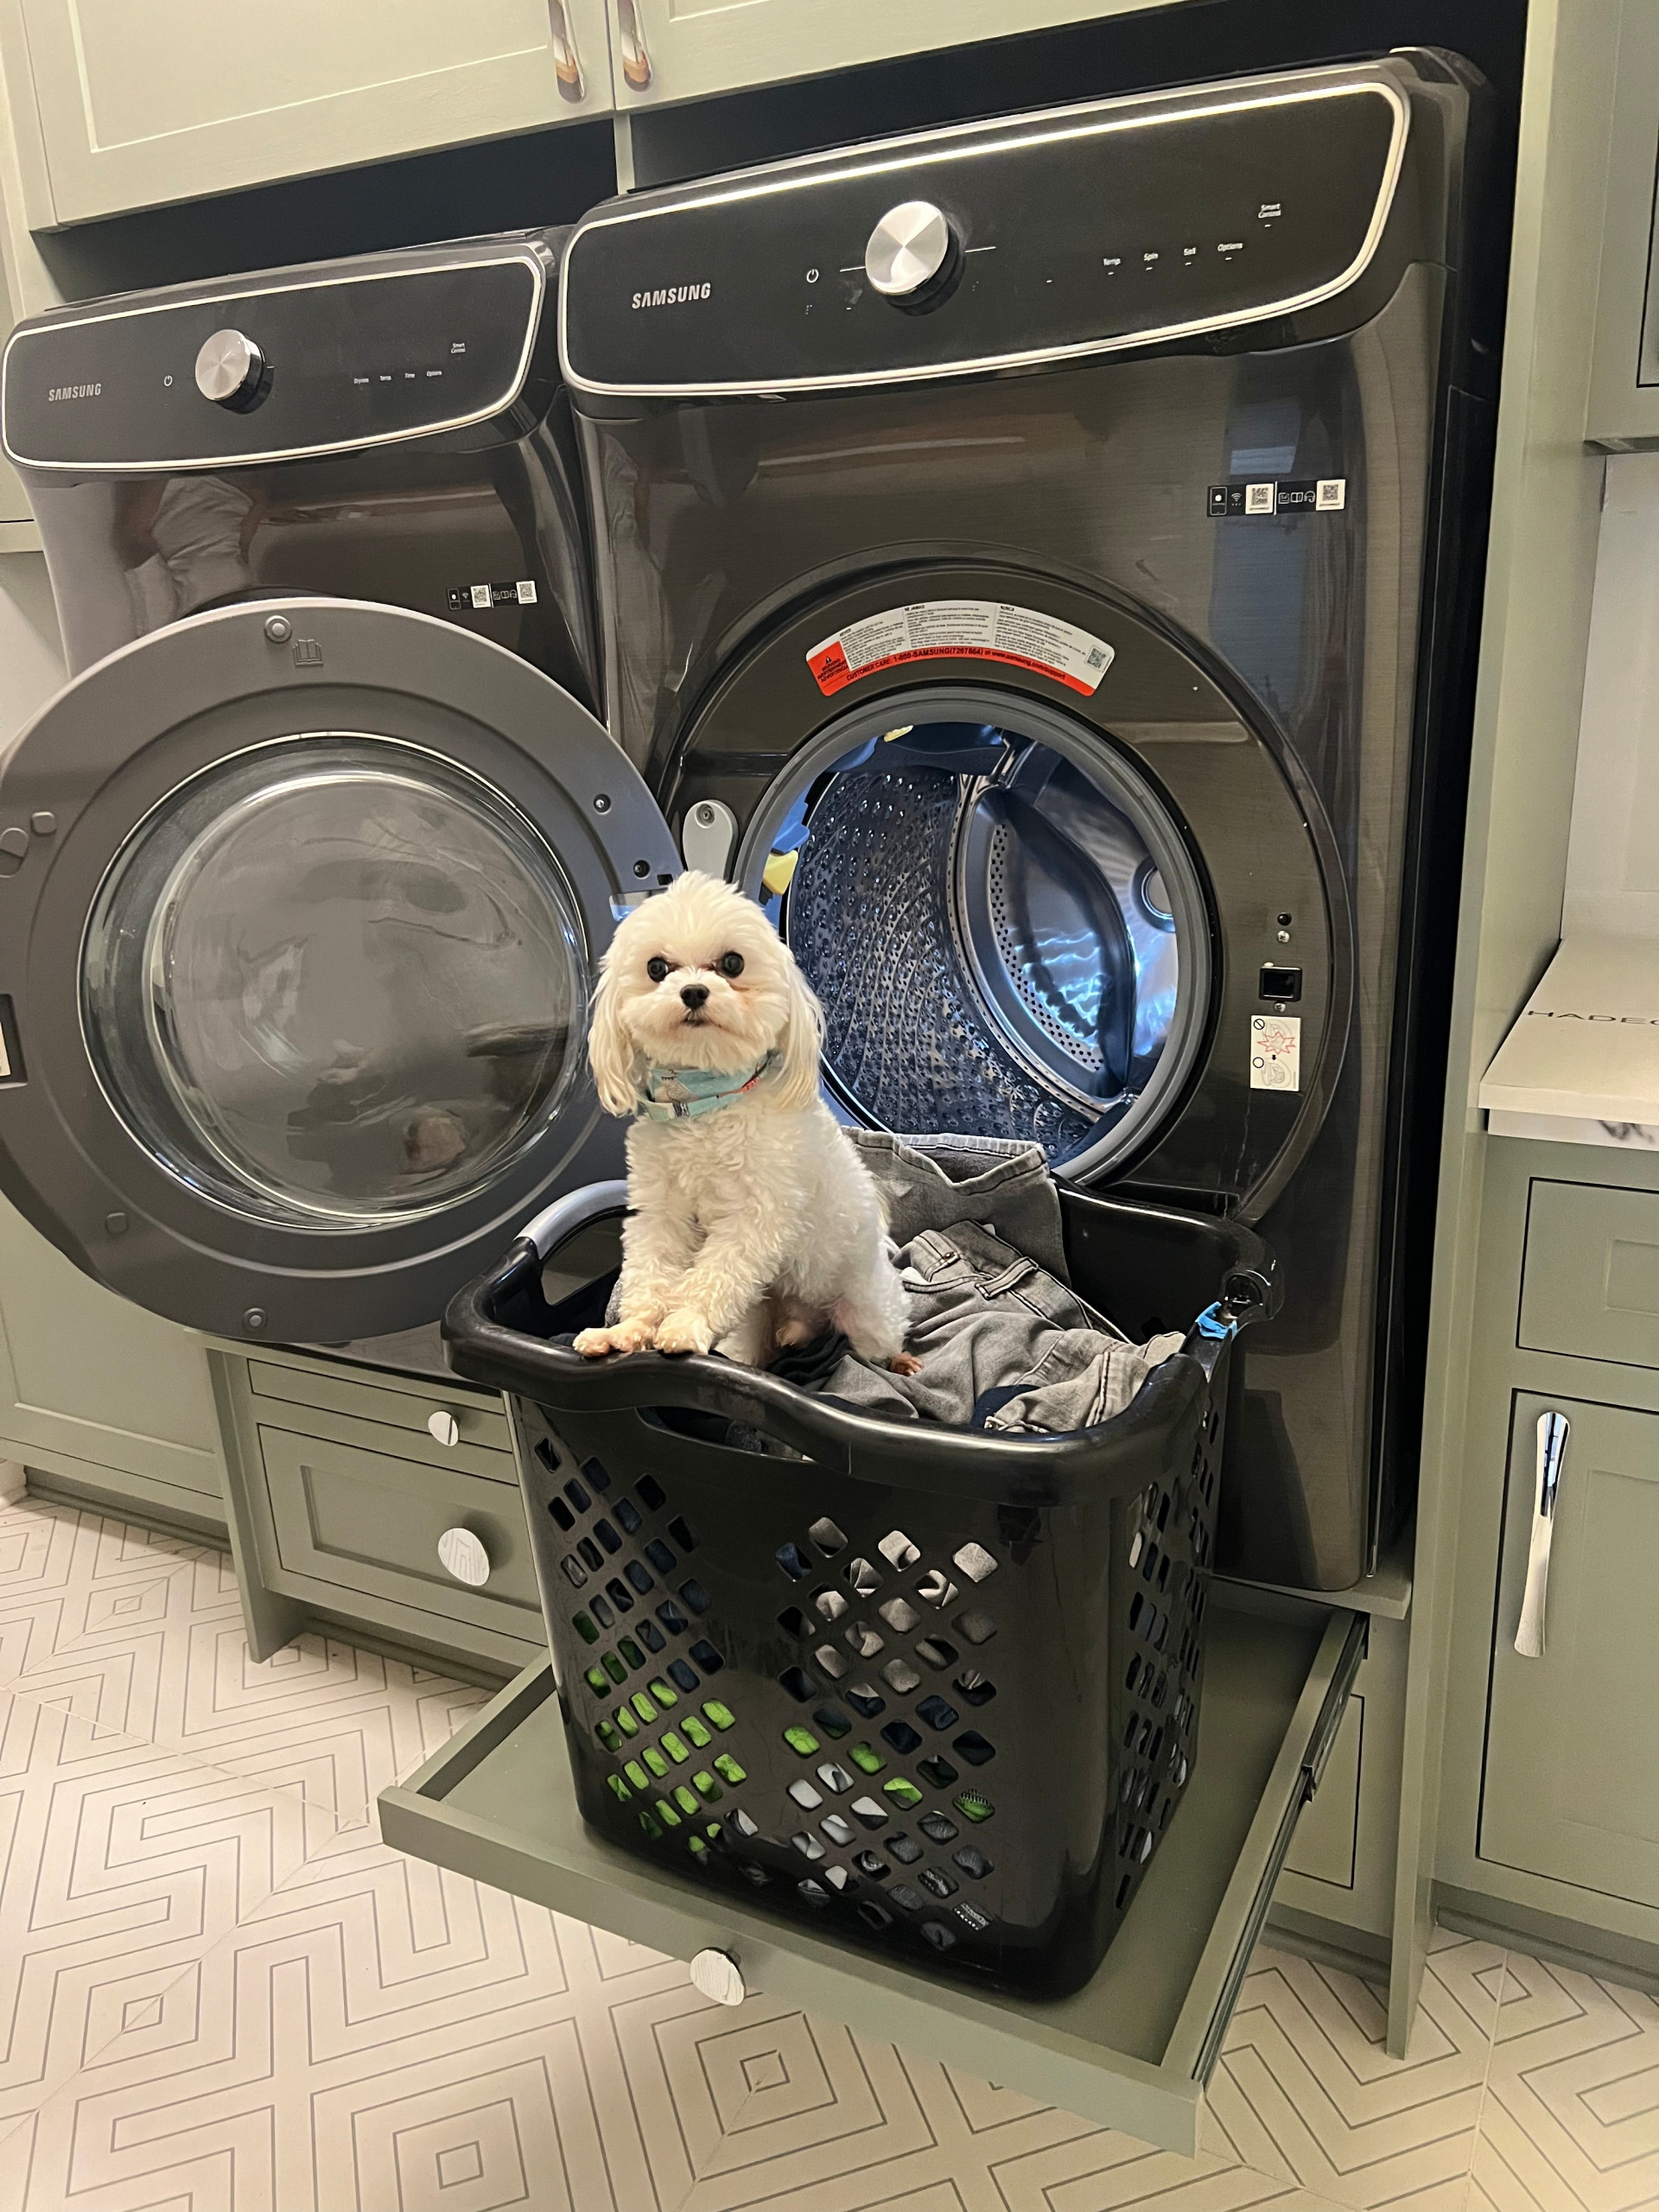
(936, 1691)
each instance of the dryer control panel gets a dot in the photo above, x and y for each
(306, 361)
(1050, 237)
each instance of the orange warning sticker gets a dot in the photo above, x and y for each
(962, 629)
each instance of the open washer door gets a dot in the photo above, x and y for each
(299, 908)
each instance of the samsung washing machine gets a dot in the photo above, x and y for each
(1036, 558)
(304, 876)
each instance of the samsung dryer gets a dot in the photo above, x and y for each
(304, 876)
(1035, 558)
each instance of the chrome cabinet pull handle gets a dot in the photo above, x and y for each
(1552, 1430)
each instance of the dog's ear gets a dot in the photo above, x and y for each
(800, 1043)
(611, 1051)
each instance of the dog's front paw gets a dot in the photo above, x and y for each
(903, 1363)
(684, 1330)
(626, 1336)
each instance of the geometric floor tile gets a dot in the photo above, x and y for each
(1305, 2089)
(1572, 2117)
(219, 1992)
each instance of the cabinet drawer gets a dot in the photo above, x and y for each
(1571, 1772)
(1131, 2050)
(347, 1520)
(479, 1420)
(1590, 1284)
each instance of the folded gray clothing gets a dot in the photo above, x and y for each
(1004, 1346)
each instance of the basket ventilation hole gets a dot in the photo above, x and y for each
(683, 1533)
(863, 1640)
(940, 1938)
(865, 1701)
(628, 1514)
(794, 1622)
(585, 1629)
(728, 1769)
(971, 1916)
(936, 1773)
(578, 1497)
(722, 1715)
(628, 1721)
(860, 1576)
(650, 1636)
(938, 1714)
(672, 1618)
(740, 1825)
(874, 1915)
(898, 1551)
(903, 1849)
(660, 1556)
(696, 1732)
(900, 1615)
(590, 1555)
(902, 1791)
(934, 1651)
(834, 1725)
(834, 1777)
(805, 1796)
(899, 1675)
(938, 1829)
(807, 1845)
(975, 1561)
(973, 1863)
(694, 1597)
(814, 1893)
(614, 1668)
(561, 1514)
(667, 1813)
(839, 1830)
(838, 1877)
(867, 1758)
(651, 1494)
(706, 1656)
(637, 1576)
(936, 1588)
(830, 1660)
(793, 1563)
(607, 1535)
(682, 1677)
(830, 1603)
(802, 1740)
(654, 1760)
(619, 1595)
(652, 1828)
(547, 1455)
(977, 1628)
(595, 1472)
(973, 1747)
(941, 1884)
(631, 1653)
(800, 1684)
(665, 1696)
(903, 1737)
(902, 1894)
(828, 1538)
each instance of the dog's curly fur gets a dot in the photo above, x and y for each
(757, 1225)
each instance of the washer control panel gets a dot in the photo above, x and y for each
(1126, 222)
(304, 363)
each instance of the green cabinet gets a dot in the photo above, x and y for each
(98, 1395)
(1590, 1284)
(1572, 1787)
(1624, 408)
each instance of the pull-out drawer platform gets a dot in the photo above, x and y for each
(1132, 2050)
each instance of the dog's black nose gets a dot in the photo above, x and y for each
(694, 995)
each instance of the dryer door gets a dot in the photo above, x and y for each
(300, 907)
(1050, 871)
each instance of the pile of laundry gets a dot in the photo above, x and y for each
(1006, 1344)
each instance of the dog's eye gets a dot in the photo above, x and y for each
(656, 968)
(731, 964)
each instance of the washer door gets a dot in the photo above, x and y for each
(1088, 900)
(297, 953)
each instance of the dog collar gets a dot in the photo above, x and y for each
(681, 1094)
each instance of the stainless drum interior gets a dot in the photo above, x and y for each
(1008, 932)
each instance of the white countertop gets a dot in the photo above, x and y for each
(1581, 1063)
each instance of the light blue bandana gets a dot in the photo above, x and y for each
(681, 1094)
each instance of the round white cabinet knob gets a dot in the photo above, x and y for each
(716, 1975)
(443, 1426)
(911, 248)
(460, 1551)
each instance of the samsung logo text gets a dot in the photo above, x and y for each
(670, 296)
(73, 391)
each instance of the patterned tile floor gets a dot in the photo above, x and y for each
(220, 1992)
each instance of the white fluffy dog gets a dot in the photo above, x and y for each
(753, 1222)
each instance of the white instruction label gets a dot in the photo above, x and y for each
(962, 629)
(1275, 1052)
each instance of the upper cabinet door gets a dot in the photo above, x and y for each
(684, 49)
(177, 98)
(1623, 407)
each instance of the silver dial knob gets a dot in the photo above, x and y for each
(229, 368)
(908, 249)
